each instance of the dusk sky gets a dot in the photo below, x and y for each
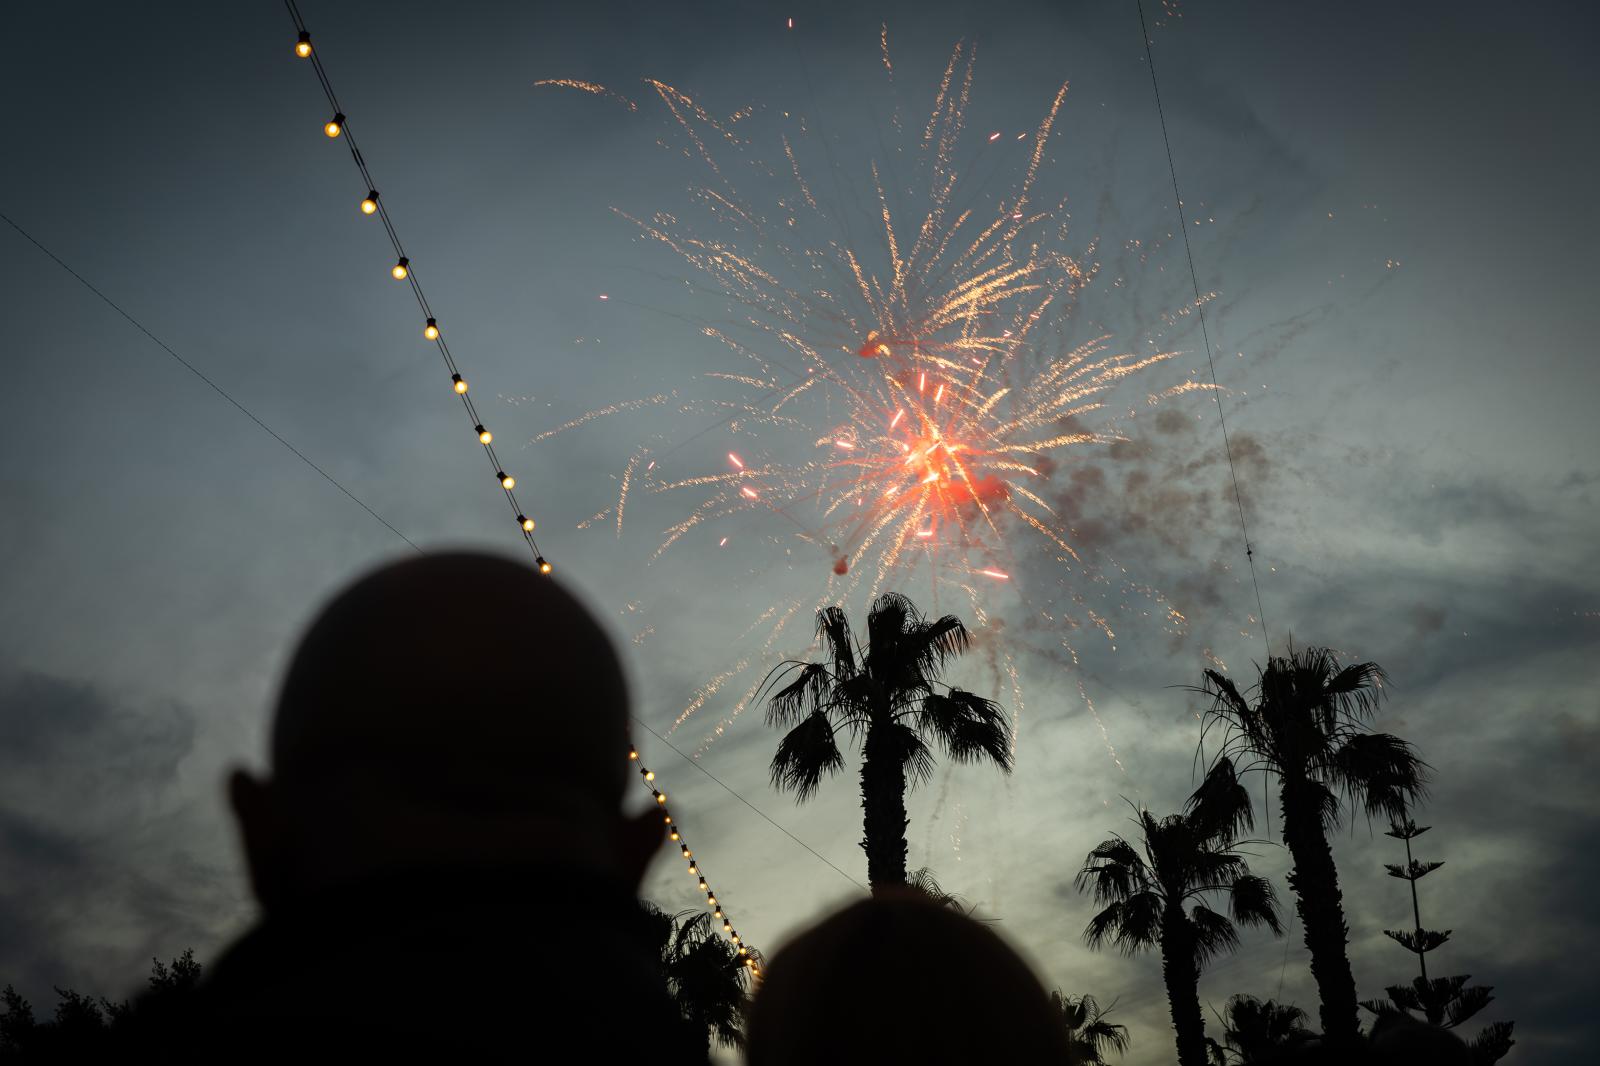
(1391, 214)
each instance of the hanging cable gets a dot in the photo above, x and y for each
(1199, 307)
(372, 203)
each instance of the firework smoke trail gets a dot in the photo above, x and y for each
(912, 393)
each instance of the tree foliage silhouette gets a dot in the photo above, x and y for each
(1089, 1035)
(1256, 1030)
(1157, 895)
(152, 1027)
(707, 976)
(1308, 727)
(888, 698)
(1444, 1002)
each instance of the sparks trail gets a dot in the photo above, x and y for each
(904, 401)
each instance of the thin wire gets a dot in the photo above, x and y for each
(218, 389)
(732, 792)
(382, 211)
(1194, 278)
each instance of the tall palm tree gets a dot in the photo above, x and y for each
(1308, 727)
(1156, 895)
(1089, 1035)
(707, 976)
(1256, 1030)
(887, 697)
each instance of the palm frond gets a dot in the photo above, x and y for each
(930, 645)
(912, 752)
(967, 726)
(833, 630)
(1214, 934)
(1253, 901)
(805, 695)
(1381, 772)
(806, 754)
(1220, 807)
(1491, 1045)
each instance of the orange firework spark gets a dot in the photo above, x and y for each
(914, 393)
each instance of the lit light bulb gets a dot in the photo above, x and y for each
(743, 950)
(369, 204)
(507, 482)
(667, 818)
(661, 797)
(401, 269)
(735, 938)
(302, 47)
(484, 436)
(684, 848)
(649, 775)
(694, 868)
(673, 835)
(460, 383)
(527, 527)
(544, 568)
(633, 754)
(703, 886)
(335, 125)
(717, 913)
(727, 926)
(431, 330)
(711, 901)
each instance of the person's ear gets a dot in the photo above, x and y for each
(638, 840)
(262, 834)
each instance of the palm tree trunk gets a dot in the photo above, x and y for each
(1318, 901)
(1182, 977)
(883, 807)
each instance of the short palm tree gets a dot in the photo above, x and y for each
(887, 697)
(706, 975)
(1308, 727)
(1156, 895)
(1089, 1035)
(1256, 1030)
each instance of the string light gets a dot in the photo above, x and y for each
(647, 776)
(372, 204)
(401, 271)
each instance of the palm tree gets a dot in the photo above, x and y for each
(1186, 858)
(707, 976)
(1089, 1035)
(1308, 728)
(887, 696)
(1257, 1030)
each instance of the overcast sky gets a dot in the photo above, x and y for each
(1396, 219)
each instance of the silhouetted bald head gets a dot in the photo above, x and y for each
(900, 978)
(477, 674)
(449, 711)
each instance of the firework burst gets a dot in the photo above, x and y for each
(904, 397)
